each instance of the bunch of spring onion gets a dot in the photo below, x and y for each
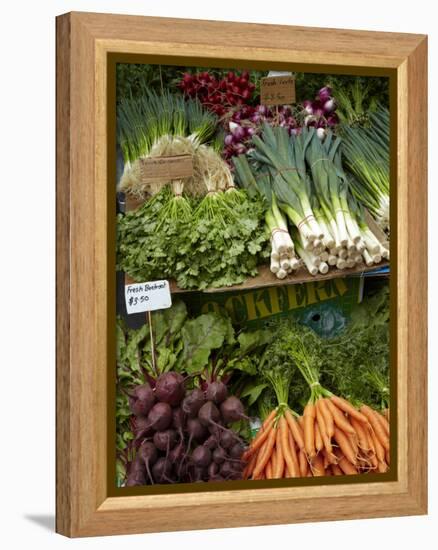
(283, 257)
(347, 235)
(328, 225)
(366, 153)
(162, 125)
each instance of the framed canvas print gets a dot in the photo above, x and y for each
(241, 274)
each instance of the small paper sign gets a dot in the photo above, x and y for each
(166, 168)
(148, 296)
(277, 90)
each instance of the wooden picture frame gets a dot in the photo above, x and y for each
(85, 301)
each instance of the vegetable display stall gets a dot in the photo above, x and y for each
(268, 196)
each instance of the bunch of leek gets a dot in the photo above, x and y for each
(366, 154)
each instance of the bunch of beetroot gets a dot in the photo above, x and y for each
(218, 95)
(184, 436)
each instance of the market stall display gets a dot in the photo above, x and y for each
(226, 194)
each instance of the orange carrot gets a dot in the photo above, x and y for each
(328, 417)
(328, 471)
(295, 428)
(377, 427)
(250, 467)
(383, 421)
(268, 470)
(285, 447)
(387, 457)
(361, 434)
(309, 429)
(267, 452)
(261, 436)
(339, 418)
(279, 467)
(283, 443)
(274, 456)
(382, 467)
(354, 444)
(336, 470)
(323, 431)
(293, 452)
(304, 465)
(317, 466)
(379, 449)
(348, 408)
(345, 445)
(319, 445)
(346, 466)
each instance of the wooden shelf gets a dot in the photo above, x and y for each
(266, 278)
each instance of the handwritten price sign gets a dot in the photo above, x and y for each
(277, 90)
(149, 296)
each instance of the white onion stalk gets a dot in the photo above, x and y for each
(275, 255)
(349, 262)
(281, 241)
(332, 259)
(360, 246)
(377, 258)
(281, 274)
(358, 259)
(295, 264)
(334, 251)
(307, 258)
(384, 252)
(342, 229)
(323, 268)
(341, 264)
(353, 231)
(305, 243)
(316, 260)
(343, 253)
(351, 247)
(367, 257)
(324, 256)
(285, 264)
(275, 265)
(372, 244)
(328, 241)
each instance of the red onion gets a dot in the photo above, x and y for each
(324, 94)
(329, 105)
(308, 106)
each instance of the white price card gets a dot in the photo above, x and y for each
(148, 296)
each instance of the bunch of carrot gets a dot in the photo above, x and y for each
(277, 451)
(332, 437)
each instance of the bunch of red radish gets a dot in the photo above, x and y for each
(331, 438)
(218, 95)
(184, 436)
